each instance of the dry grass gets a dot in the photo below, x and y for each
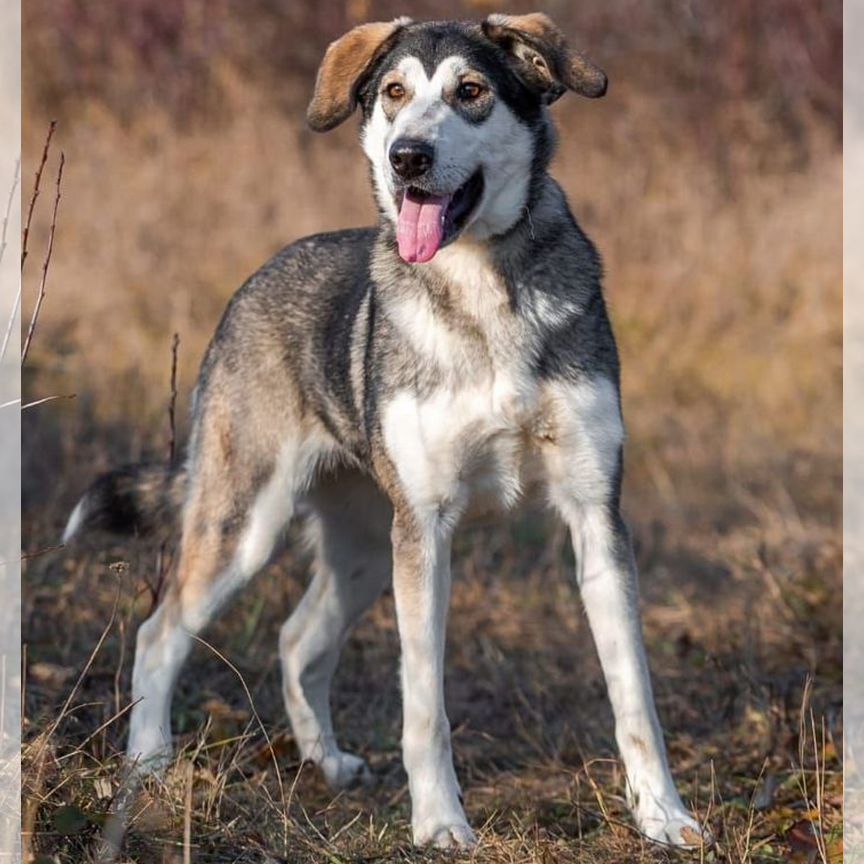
(722, 247)
(532, 726)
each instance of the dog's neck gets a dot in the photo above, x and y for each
(472, 262)
(465, 303)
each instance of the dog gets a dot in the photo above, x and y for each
(385, 383)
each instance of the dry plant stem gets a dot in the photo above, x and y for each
(41, 752)
(263, 729)
(36, 402)
(803, 734)
(39, 552)
(15, 179)
(172, 402)
(31, 806)
(17, 303)
(73, 692)
(162, 559)
(25, 236)
(45, 399)
(819, 747)
(187, 814)
(45, 264)
(80, 748)
(751, 815)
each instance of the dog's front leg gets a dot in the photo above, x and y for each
(421, 584)
(583, 461)
(607, 580)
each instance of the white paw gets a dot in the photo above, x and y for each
(455, 834)
(670, 824)
(345, 771)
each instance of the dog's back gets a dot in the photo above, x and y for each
(281, 350)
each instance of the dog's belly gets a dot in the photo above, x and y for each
(504, 474)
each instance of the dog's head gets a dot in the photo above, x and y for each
(454, 118)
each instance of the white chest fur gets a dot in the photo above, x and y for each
(480, 433)
(468, 437)
(456, 445)
(476, 293)
(481, 445)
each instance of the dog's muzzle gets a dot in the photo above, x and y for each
(427, 221)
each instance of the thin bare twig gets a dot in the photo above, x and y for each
(187, 813)
(162, 558)
(26, 556)
(85, 671)
(45, 264)
(41, 745)
(11, 323)
(112, 719)
(36, 402)
(39, 552)
(814, 806)
(172, 402)
(15, 306)
(35, 195)
(261, 726)
(9, 201)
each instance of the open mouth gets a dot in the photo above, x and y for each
(427, 222)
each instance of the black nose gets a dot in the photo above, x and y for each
(410, 157)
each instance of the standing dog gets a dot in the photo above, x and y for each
(385, 382)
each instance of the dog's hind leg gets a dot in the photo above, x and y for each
(206, 573)
(231, 520)
(350, 530)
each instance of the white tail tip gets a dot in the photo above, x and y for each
(76, 520)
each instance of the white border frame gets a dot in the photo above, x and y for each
(10, 438)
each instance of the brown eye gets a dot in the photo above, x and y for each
(469, 91)
(395, 90)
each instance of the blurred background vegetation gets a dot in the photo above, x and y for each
(710, 179)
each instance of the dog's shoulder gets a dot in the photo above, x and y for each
(315, 262)
(302, 281)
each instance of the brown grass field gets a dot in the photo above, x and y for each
(710, 179)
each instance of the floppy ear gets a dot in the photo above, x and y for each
(542, 57)
(343, 71)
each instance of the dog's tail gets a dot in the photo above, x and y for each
(135, 500)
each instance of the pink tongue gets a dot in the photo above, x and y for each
(420, 228)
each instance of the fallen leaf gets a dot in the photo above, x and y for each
(102, 787)
(691, 836)
(801, 836)
(50, 674)
(69, 819)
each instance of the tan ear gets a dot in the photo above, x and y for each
(342, 71)
(543, 57)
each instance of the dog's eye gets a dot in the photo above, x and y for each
(395, 90)
(469, 91)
